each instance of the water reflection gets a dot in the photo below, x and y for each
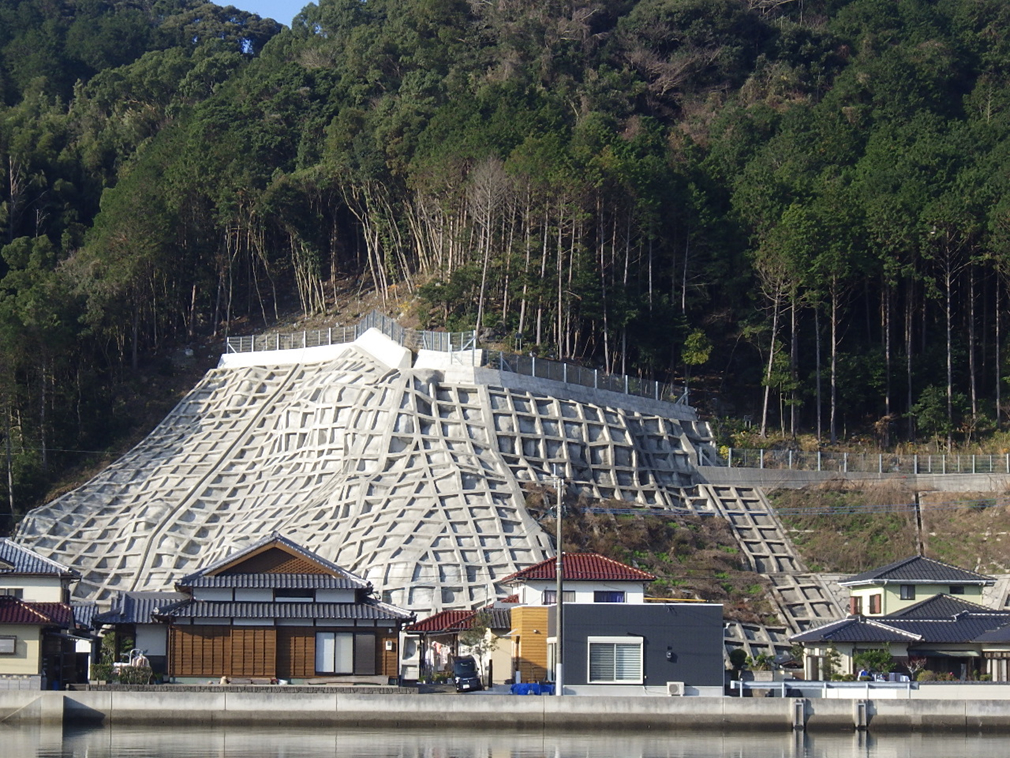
(233, 742)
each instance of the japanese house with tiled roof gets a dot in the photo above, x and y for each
(588, 578)
(922, 611)
(613, 641)
(38, 634)
(278, 611)
(886, 590)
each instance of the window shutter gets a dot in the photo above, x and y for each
(601, 662)
(629, 662)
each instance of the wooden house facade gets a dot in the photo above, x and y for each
(278, 611)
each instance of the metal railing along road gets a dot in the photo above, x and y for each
(529, 365)
(410, 338)
(866, 463)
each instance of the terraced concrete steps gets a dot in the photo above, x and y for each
(802, 598)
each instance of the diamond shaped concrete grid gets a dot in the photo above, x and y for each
(411, 476)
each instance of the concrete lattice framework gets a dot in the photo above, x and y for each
(405, 469)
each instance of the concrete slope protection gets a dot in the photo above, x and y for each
(408, 469)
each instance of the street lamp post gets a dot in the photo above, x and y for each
(559, 597)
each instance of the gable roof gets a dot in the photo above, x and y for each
(440, 622)
(367, 610)
(963, 628)
(857, 629)
(940, 607)
(459, 621)
(17, 559)
(15, 611)
(584, 567)
(972, 624)
(918, 570)
(274, 540)
(278, 581)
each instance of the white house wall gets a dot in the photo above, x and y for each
(36, 589)
(531, 593)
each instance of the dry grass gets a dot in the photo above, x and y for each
(692, 557)
(844, 533)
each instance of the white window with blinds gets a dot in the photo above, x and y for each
(334, 653)
(615, 660)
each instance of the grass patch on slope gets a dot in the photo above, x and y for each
(840, 528)
(692, 557)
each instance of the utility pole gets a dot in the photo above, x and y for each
(560, 596)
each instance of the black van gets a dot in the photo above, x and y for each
(464, 674)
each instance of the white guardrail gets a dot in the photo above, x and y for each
(875, 463)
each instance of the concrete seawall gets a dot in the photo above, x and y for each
(330, 710)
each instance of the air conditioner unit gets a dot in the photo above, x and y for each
(675, 688)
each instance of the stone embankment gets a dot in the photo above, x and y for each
(325, 709)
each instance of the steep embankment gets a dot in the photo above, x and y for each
(695, 557)
(848, 527)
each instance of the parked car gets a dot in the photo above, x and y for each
(464, 674)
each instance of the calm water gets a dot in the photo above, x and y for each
(35, 742)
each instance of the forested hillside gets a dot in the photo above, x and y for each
(797, 206)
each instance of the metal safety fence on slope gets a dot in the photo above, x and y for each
(464, 343)
(411, 339)
(866, 463)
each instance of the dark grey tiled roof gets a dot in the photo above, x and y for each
(16, 559)
(856, 629)
(499, 618)
(938, 607)
(278, 581)
(918, 570)
(138, 607)
(996, 635)
(84, 613)
(198, 609)
(187, 581)
(964, 628)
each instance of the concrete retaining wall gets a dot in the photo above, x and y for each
(329, 709)
(771, 479)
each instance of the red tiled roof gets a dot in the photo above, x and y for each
(513, 599)
(582, 567)
(440, 622)
(14, 611)
(459, 621)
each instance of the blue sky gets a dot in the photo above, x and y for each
(279, 10)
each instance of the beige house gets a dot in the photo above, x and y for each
(926, 613)
(37, 628)
(902, 584)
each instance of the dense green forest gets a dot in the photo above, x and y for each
(799, 207)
